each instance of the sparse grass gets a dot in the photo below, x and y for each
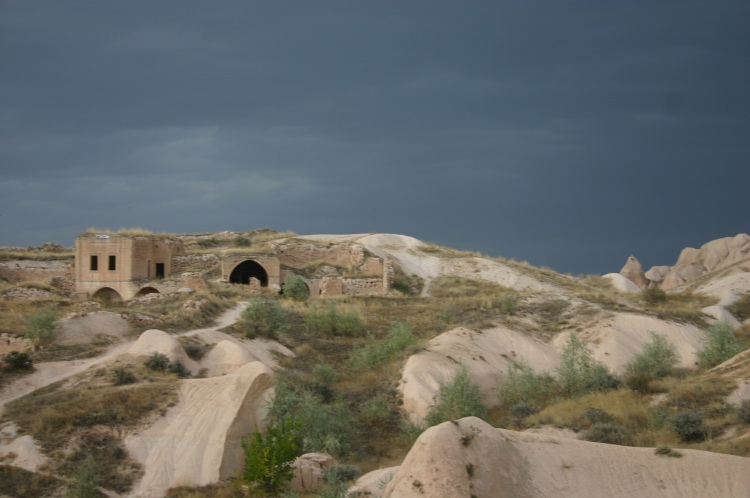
(17, 482)
(52, 415)
(741, 308)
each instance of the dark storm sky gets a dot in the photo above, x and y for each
(568, 134)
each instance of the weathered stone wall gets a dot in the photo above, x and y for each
(58, 273)
(331, 286)
(301, 254)
(372, 266)
(195, 262)
(362, 286)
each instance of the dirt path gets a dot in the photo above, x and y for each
(50, 372)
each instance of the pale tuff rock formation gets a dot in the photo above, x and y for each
(372, 484)
(198, 441)
(21, 452)
(614, 340)
(720, 314)
(469, 457)
(155, 341)
(712, 256)
(622, 283)
(309, 471)
(633, 271)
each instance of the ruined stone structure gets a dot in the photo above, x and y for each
(124, 267)
(121, 266)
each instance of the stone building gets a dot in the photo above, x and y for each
(125, 266)
(122, 266)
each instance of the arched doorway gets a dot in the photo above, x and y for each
(247, 269)
(108, 295)
(147, 290)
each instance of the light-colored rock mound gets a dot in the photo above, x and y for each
(22, 452)
(485, 354)
(720, 314)
(226, 357)
(633, 271)
(85, 328)
(471, 458)
(727, 289)
(622, 283)
(309, 470)
(618, 339)
(156, 341)
(372, 484)
(198, 441)
(614, 341)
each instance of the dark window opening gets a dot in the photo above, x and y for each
(112, 263)
(94, 263)
(159, 270)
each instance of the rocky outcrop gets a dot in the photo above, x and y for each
(309, 470)
(712, 256)
(633, 271)
(469, 457)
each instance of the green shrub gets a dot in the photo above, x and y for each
(522, 410)
(609, 434)
(579, 373)
(341, 473)
(376, 353)
(41, 325)
(269, 456)
(158, 362)
(458, 398)
(86, 484)
(328, 428)
(689, 426)
(264, 317)
(329, 321)
(179, 369)
(656, 360)
(598, 416)
(123, 377)
(509, 303)
(720, 345)
(18, 360)
(522, 385)
(295, 288)
(653, 296)
(376, 411)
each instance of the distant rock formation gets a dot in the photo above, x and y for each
(693, 263)
(633, 271)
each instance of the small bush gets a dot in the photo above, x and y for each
(609, 434)
(341, 473)
(522, 410)
(376, 353)
(330, 321)
(457, 399)
(689, 426)
(269, 456)
(158, 362)
(667, 451)
(18, 360)
(598, 416)
(179, 369)
(295, 288)
(509, 303)
(123, 377)
(41, 325)
(721, 344)
(579, 373)
(653, 296)
(522, 385)
(86, 484)
(656, 360)
(264, 317)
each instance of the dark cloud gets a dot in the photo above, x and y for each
(569, 134)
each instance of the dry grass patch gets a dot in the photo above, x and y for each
(17, 482)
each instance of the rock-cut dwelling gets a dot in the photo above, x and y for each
(116, 266)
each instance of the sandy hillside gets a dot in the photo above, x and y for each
(471, 458)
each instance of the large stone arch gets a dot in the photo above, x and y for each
(147, 290)
(107, 294)
(242, 273)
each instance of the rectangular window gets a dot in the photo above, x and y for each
(159, 270)
(94, 263)
(112, 263)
